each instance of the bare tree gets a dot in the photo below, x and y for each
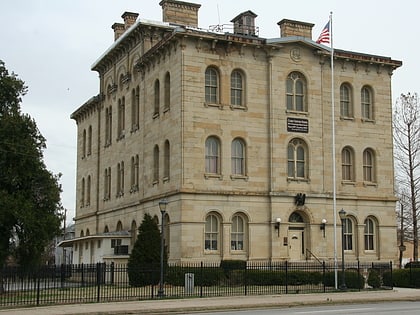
(406, 125)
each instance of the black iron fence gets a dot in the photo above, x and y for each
(102, 282)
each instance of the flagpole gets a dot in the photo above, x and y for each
(333, 155)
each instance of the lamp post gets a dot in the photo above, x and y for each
(342, 215)
(162, 206)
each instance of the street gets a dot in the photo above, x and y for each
(400, 308)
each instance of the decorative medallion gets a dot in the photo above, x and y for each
(295, 54)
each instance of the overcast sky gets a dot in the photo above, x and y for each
(52, 44)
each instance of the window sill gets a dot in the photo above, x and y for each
(155, 115)
(370, 184)
(347, 118)
(220, 106)
(348, 183)
(166, 109)
(210, 175)
(295, 112)
(239, 107)
(239, 177)
(368, 120)
(298, 180)
(166, 179)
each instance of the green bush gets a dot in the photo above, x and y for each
(266, 277)
(374, 279)
(412, 264)
(406, 278)
(353, 279)
(233, 265)
(202, 276)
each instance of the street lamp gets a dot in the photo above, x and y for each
(342, 215)
(162, 206)
(322, 226)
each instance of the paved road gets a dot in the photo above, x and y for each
(400, 308)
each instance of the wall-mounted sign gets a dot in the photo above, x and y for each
(297, 125)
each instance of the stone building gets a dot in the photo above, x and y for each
(235, 131)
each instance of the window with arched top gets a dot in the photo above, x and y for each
(367, 103)
(119, 226)
(295, 217)
(156, 163)
(238, 157)
(211, 234)
(84, 144)
(370, 234)
(89, 141)
(211, 85)
(347, 164)
(368, 166)
(166, 160)
(157, 98)
(106, 229)
(135, 108)
(348, 234)
(237, 88)
(212, 155)
(297, 159)
(167, 92)
(346, 101)
(296, 92)
(238, 233)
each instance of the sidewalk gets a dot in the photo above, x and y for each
(220, 303)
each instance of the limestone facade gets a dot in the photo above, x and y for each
(236, 132)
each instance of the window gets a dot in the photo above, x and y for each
(212, 155)
(135, 109)
(119, 226)
(295, 92)
(212, 85)
(120, 179)
(237, 235)
(82, 195)
(134, 173)
(211, 237)
(166, 159)
(157, 98)
(346, 105)
(88, 190)
(167, 91)
(121, 118)
(236, 88)
(348, 234)
(108, 126)
(366, 100)
(107, 184)
(368, 166)
(89, 141)
(347, 164)
(156, 164)
(296, 159)
(369, 234)
(238, 157)
(84, 144)
(115, 242)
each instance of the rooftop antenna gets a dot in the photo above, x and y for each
(218, 13)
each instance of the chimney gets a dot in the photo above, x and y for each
(129, 19)
(180, 12)
(295, 28)
(118, 30)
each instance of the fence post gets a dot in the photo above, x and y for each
(83, 275)
(62, 275)
(201, 279)
(287, 278)
(246, 278)
(98, 280)
(112, 273)
(323, 274)
(359, 275)
(392, 275)
(38, 283)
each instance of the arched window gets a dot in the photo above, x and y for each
(346, 102)
(369, 234)
(106, 229)
(134, 173)
(297, 159)
(133, 232)
(84, 144)
(166, 159)
(367, 103)
(157, 98)
(167, 91)
(238, 157)
(347, 165)
(135, 110)
(211, 237)
(121, 118)
(348, 234)
(108, 126)
(296, 92)
(368, 166)
(237, 235)
(156, 163)
(236, 88)
(82, 195)
(212, 155)
(89, 141)
(88, 190)
(119, 226)
(295, 217)
(211, 85)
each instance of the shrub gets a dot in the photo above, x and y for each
(374, 279)
(266, 277)
(205, 276)
(353, 279)
(412, 264)
(233, 265)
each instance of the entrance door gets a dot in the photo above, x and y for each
(295, 244)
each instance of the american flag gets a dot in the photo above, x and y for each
(324, 37)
